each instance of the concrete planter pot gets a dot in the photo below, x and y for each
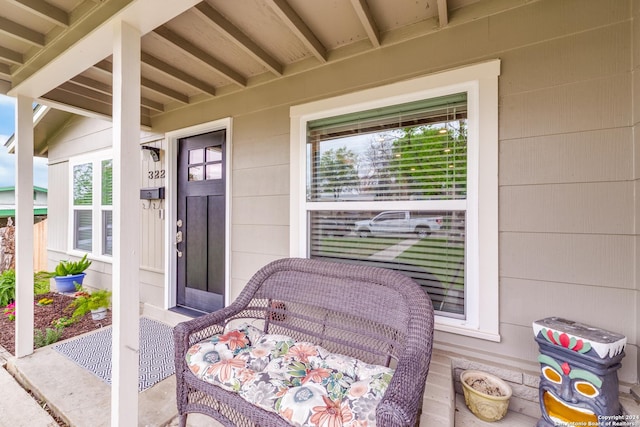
(99, 313)
(486, 395)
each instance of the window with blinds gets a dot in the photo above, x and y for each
(82, 203)
(92, 200)
(106, 207)
(411, 158)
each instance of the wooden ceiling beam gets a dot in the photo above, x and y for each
(177, 74)
(106, 89)
(5, 72)
(106, 67)
(293, 21)
(366, 19)
(239, 38)
(443, 13)
(20, 32)
(11, 56)
(92, 84)
(86, 92)
(66, 98)
(200, 55)
(45, 10)
(164, 91)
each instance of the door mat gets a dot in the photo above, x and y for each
(93, 352)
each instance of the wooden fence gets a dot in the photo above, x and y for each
(7, 247)
(40, 246)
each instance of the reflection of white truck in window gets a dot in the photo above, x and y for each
(399, 222)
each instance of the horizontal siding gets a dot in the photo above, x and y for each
(568, 157)
(547, 64)
(261, 239)
(597, 207)
(570, 301)
(261, 210)
(79, 136)
(604, 103)
(588, 259)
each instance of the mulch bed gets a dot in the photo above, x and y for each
(44, 315)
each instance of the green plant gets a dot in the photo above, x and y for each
(70, 268)
(85, 301)
(62, 322)
(41, 283)
(46, 337)
(7, 287)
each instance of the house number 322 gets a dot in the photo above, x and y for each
(156, 174)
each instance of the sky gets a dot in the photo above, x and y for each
(8, 161)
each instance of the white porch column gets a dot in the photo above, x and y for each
(24, 226)
(126, 225)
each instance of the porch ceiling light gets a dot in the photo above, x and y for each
(151, 151)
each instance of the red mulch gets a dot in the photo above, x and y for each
(44, 315)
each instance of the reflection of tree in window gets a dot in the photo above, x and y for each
(337, 172)
(429, 163)
(83, 184)
(107, 182)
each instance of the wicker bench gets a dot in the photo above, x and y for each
(375, 316)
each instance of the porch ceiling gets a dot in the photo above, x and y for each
(214, 48)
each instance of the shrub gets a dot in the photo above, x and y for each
(46, 337)
(85, 301)
(41, 282)
(8, 285)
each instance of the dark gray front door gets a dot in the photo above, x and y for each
(201, 221)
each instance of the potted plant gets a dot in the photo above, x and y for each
(69, 273)
(486, 395)
(95, 302)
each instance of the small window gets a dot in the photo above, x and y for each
(92, 200)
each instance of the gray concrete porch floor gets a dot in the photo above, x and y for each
(83, 400)
(78, 397)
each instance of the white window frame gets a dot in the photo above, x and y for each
(480, 82)
(96, 207)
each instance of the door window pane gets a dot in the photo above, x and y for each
(214, 171)
(196, 173)
(214, 154)
(196, 156)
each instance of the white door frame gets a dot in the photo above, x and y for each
(170, 269)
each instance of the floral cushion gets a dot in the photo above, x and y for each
(302, 382)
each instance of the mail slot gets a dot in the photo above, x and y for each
(152, 193)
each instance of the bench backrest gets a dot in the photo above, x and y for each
(360, 311)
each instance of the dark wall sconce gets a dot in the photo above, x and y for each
(152, 151)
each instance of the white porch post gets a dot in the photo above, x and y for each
(126, 225)
(24, 226)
